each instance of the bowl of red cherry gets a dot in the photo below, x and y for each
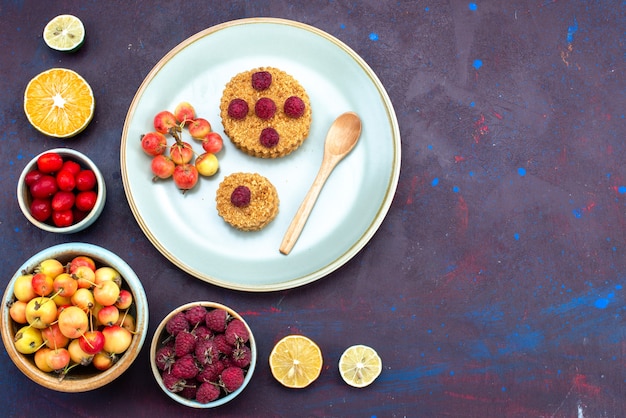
(61, 190)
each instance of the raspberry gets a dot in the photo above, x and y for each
(211, 372)
(165, 357)
(241, 356)
(188, 392)
(216, 320)
(206, 352)
(222, 345)
(195, 315)
(207, 392)
(177, 324)
(202, 332)
(185, 367)
(236, 332)
(269, 137)
(265, 108)
(294, 107)
(172, 383)
(240, 197)
(238, 109)
(184, 344)
(261, 80)
(231, 378)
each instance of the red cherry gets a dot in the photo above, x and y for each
(49, 162)
(63, 200)
(41, 209)
(65, 180)
(72, 166)
(62, 218)
(85, 201)
(45, 187)
(85, 180)
(32, 176)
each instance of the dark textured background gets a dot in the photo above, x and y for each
(495, 285)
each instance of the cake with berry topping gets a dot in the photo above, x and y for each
(265, 112)
(247, 201)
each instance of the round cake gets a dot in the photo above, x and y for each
(265, 112)
(247, 201)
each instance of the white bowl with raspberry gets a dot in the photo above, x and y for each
(203, 354)
(67, 198)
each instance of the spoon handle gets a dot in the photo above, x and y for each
(301, 216)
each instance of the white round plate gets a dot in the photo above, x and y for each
(187, 230)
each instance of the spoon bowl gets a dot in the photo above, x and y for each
(341, 138)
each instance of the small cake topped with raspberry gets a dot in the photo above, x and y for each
(265, 112)
(247, 201)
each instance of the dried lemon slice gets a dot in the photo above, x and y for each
(360, 365)
(296, 361)
(64, 33)
(59, 102)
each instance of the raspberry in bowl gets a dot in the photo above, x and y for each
(203, 354)
(61, 190)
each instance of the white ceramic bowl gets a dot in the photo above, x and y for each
(161, 334)
(80, 378)
(24, 199)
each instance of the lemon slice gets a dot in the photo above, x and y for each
(59, 102)
(64, 33)
(296, 361)
(360, 365)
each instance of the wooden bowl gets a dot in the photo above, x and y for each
(161, 334)
(80, 378)
(24, 199)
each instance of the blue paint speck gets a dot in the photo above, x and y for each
(451, 372)
(571, 30)
(521, 171)
(478, 63)
(472, 104)
(473, 7)
(503, 389)
(471, 174)
(429, 146)
(342, 26)
(393, 309)
(516, 236)
(618, 286)
(435, 181)
(455, 189)
(577, 213)
(16, 229)
(621, 189)
(601, 303)
(373, 36)
(426, 9)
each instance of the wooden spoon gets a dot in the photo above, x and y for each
(341, 138)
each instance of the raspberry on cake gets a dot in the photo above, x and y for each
(279, 102)
(247, 201)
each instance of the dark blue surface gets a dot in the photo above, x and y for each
(495, 286)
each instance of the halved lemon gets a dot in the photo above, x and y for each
(59, 102)
(64, 33)
(360, 365)
(296, 361)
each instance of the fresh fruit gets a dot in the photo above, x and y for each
(294, 107)
(162, 167)
(59, 103)
(28, 340)
(164, 121)
(67, 326)
(154, 143)
(269, 137)
(212, 143)
(62, 192)
(64, 33)
(265, 108)
(238, 109)
(181, 152)
(207, 164)
(261, 80)
(360, 365)
(185, 176)
(200, 359)
(184, 113)
(199, 128)
(296, 361)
